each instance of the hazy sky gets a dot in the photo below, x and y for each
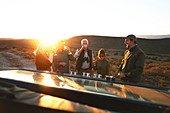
(68, 18)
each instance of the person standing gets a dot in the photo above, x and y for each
(132, 64)
(84, 58)
(41, 58)
(102, 65)
(61, 58)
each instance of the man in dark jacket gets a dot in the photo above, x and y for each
(132, 64)
(84, 58)
(61, 58)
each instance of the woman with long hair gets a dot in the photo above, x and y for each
(41, 58)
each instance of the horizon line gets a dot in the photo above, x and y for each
(138, 36)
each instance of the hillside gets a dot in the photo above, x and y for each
(150, 46)
(18, 43)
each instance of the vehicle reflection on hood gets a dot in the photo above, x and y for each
(106, 88)
(90, 85)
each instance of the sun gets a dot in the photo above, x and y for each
(47, 41)
(50, 44)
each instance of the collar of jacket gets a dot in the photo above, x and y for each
(133, 49)
(84, 50)
(102, 60)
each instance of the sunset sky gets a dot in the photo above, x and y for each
(47, 19)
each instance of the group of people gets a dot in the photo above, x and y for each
(55, 58)
(130, 70)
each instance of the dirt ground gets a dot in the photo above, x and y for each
(10, 60)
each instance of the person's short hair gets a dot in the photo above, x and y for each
(131, 37)
(84, 40)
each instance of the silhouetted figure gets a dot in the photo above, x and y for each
(41, 58)
(61, 58)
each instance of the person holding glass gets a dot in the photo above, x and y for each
(61, 58)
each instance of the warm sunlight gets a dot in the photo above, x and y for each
(66, 105)
(47, 80)
(14, 74)
(46, 43)
(49, 44)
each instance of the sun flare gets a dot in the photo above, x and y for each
(50, 44)
(48, 80)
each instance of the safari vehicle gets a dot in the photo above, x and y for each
(28, 91)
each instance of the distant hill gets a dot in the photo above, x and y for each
(19, 43)
(156, 46)
(150, 46)
(6, 38)
(154, 36)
